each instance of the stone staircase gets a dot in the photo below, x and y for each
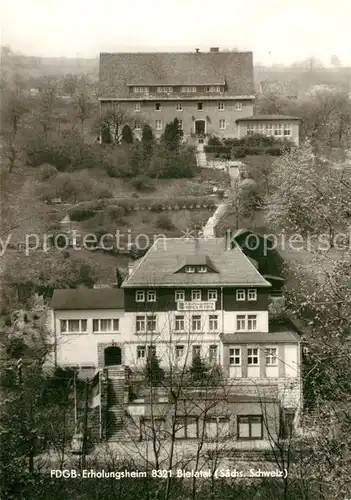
(115, 402)
(201, 160)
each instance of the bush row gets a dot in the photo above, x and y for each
(227, 152)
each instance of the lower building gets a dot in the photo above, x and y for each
(277, 126)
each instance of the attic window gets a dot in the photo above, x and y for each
(202, 269)
(190, 269)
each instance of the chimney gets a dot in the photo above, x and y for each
(214, 49)
(130, 268)
(197, 50)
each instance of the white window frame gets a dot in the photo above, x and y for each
(240, 321)
(140, 323)
(238, 106)
(211, 349)
(196, 318)
(250, 422)
(240, 295)
(137, 107)
(287, 128)
(195, 293)
(271, 358)
(179, 295)
(278, 127)
(250, 129)
(221, 106)
(213, 322)
(114, 325)
(269, 129)
(179, 351)
(160, 106)
(180, 124)
(202, 269)
(190, 269)
(212, 295)
(140, 296)
(252, 294)
(253, 354)
(82, 326)
(151, 296)
(222, 124)
(234, 356)
(151, 318)
(165, 90)
(252, 322)
(179, 318)
(141, 352)
(158, 124)
(261, 128)
(179, 106)
(196, 351)
(188, 89)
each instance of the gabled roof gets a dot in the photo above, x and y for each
(159, 265)
(87, 298)
(118, 70)
(267, 118)
(260, 338)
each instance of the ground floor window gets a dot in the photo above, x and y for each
(216, 427)
(73, 325)
(152, 428)
(187, 427)
(250, 427)
(286, 423)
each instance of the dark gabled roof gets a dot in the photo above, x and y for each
(118, 70)
(267, 118)
(283, 332)
(158, 266)
(85, 298)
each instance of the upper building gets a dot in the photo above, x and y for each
(206, 91)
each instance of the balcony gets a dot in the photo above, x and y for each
(196, 305)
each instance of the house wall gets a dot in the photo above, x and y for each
(242, 128)
(210, 113)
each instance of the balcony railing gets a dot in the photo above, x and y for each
(208, 305)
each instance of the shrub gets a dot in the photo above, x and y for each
(80, 214)
(153, 372)
(217, 149)
(274, 151)
(164, 222)
(143, 183)
(127, 134)
(46, 171)
(214, 140)
(239, 152)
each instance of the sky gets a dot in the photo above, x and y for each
(277, 31)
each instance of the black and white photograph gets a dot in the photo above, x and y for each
(175, 250)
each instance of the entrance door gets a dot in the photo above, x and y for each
(112, 356)
(200, 126)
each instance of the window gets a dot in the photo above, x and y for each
(212, 295)
(137, 126)
(252, 294)
(188, 89)
(250, 129)
(140, 90)
(269, 129)
(140, 296)
(180, 124)
(151, 351)
(179, 323)
(235, 356)
(252, 356)
(261, 128)
(286, 424)
(105, 325)
(222, 124)
(250, 427)
(190, 269)
(151, 323)
(179, 106)
(212, 353)
(240, 295)
(141, 352)
(252, 322)
(213, 89)
(137, 106)
(151, 295)
(271, 356)
(158, 125)
(216, 427)
(195, 294)
(287, 129)
(221, 106)
(152, 428)
(164, 89)
(241, 322)
(73, 325)
(200, 106)
(140, 324)
(213, 322)
(179, 295)
(157, 106)
(278, 129)
(179, 351)
(196, 323)
(186, 427)
(238, 106)
(202, 269)
(196, 351)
